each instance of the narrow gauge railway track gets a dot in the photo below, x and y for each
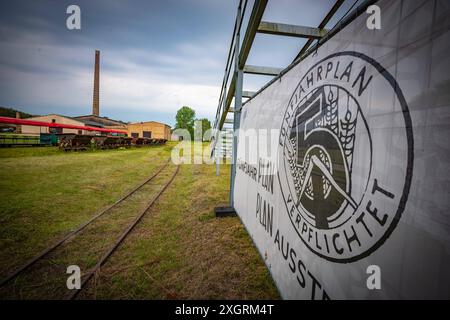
(122, 237)
(73, 233)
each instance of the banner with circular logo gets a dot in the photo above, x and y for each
(335, 162)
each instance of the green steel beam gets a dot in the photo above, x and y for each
(322, 25)
(255, 18)
(248, 94)
(267, 71)
(253, 24)
(289, 30)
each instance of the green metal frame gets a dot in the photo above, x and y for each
(238, 53)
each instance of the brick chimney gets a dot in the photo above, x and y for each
(96, 102)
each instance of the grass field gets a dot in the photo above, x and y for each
(179, 250)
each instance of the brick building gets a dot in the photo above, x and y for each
(149, 129)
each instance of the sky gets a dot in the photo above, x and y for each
(156, 55)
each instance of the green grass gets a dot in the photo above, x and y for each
(45, 195)
(178, 250)
(18, 152)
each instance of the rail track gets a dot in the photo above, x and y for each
(122, 237)
(111, 249)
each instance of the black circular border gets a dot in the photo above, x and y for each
(410, 161)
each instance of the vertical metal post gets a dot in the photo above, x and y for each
(217, 154)
(219, 135)
(217, 163)
(237, 105)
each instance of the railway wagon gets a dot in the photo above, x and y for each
(75, 142)
(109, 142)
(14, 139)
(125, 142)
(10, 139)
(84, 142)
(50, 139)
(25, 140)
(138, 142)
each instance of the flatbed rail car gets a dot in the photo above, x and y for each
(17, 139)
(30, 140)
(84, 142)
(138, 142)
(111, 142)
(125, 141)
(9, 140)
(75, 142)
(52, 139)
(72, 141)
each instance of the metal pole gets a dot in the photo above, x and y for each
(219, 135)
(217, 154)
(217, 164)
(237, 107)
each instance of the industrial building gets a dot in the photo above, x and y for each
(59, 124)
(149, 129)
(53, 118)
(101, 122)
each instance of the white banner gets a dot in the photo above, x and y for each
(351, 185)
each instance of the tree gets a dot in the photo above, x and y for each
(185, 120)
(203, 125)
(9, 112)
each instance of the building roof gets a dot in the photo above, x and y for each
(97, 121)
(55, 114)
(142, 122)
(91, 123)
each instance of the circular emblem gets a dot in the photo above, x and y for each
(345, 156)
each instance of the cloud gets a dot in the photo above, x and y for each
(155, 56)
(40, 73)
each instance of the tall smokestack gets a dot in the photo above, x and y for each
(95, 102)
